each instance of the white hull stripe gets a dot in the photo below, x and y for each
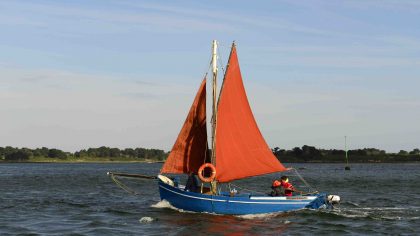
(289, 202)
(285, 198)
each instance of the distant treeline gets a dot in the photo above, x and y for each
(24, 154)
(312, 154)
(297, 154)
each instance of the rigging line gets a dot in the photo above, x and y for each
(251, 190)
(206, 152)
(220, 60)
(207, 72)
(208, 68)
(123, 186)
(303, 180)
(224, 75)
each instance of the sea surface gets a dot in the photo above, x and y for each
(80, 199)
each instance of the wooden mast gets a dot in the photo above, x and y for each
(214, 117)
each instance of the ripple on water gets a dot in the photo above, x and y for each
(80, 199)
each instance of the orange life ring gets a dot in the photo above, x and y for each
(201, 173)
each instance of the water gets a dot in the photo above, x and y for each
(79, 199)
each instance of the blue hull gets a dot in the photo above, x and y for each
(240, 204)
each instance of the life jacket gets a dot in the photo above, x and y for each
(287, 185)
(276, 184)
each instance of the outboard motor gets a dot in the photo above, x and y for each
(333, 199)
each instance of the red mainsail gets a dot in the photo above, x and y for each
(241, 150)
(190, 148)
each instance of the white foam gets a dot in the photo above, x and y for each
(166, 204)
(390, 217)
(386, 208)
(163, 204)
(377, 213)
(348, 213)
(260, 216)
(146, 219)
(354, 204)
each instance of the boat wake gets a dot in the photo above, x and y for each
(166, 204)
(379, 213)
(374, 213)
(264, 216)
(353, 204)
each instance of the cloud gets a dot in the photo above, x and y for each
(395, 5)
(143, 95)
(402, 42)
(388, 52)
(158, 17)
(102, 77)
(88, 110)
(13, 20)
(118, 16)
(245, 20)
(337, 61)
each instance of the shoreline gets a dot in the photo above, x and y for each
(76, 161)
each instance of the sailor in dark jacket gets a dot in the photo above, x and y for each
(192, 184)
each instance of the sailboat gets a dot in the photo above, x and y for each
(238, 151)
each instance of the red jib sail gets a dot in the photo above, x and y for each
(189, 150)
(241, 150)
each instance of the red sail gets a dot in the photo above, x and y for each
(189, 150)
(241, 150)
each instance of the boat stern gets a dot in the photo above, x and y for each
(324, 201)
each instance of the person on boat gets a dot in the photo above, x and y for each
(288, 187)
(283, 184)
(276, 188)
(192, 184)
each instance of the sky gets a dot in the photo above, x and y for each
(80, 74)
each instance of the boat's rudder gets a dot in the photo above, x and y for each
(324, 202)
(319, 202)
